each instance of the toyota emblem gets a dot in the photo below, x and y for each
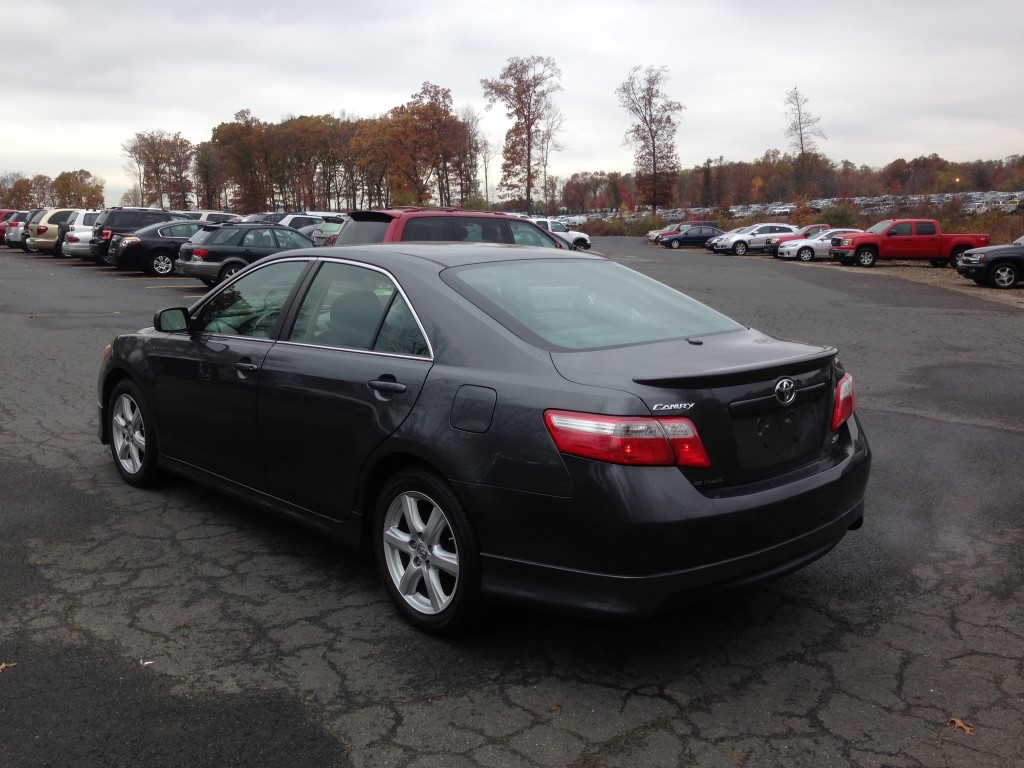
(785, 391)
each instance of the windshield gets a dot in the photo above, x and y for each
(572, 304)
(880, 227)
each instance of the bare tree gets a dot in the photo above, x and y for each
(525, 87)
(803, 126)
(803, 129)
(654, 132)
(552, 125)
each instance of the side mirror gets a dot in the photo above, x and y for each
(171, 320)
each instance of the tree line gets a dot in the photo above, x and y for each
(428, 152)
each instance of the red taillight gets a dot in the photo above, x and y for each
(628, 440)
(40, 229)
(199, 253)
(842, 407)
(71, 239)
(105, 234)
(331, 240)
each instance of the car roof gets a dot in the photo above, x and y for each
(445, 254)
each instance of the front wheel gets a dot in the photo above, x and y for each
(866, 257)
(805, 254)
(1004, 276)
(426, 552)
(674, 245)
(132, 441)
(582, 244)
(739, 248)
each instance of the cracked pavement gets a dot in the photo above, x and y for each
(269, 645)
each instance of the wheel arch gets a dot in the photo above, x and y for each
(377, 476)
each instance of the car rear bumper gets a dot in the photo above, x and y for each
(197, 269)
(602, 595)
(636, 542)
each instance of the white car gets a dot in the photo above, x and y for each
(579, 239)
(811, 248)
(76, 241)
(752, 238)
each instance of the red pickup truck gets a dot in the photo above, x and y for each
(903, 239)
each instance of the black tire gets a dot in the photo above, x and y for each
(227, 271)
(208, 282)
(845, 262)
(675, 245)
(582, 244)
(865, 257)
(1004, 275)
(938, 263)
(160, 264)
(978, 281)
(132, 437)
(739, 248)
(954, 257)
(805, 254)
(427, 553)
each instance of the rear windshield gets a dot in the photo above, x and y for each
(570, 304)
(367, 231)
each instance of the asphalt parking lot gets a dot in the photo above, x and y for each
(150, 628)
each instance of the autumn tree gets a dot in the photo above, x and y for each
(524, 87)
(653, 134)
(78, 189)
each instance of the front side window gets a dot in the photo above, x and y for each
(286, 238)
(901, 229)
(251, 305)
(525, 233)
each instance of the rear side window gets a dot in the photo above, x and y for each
(119, 219)
(286, 238)
(429, 228)
(153, 217)
(88, 219)
(925, 228)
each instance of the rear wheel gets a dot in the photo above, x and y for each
(228, 271)
(1004, 276)
(938, 263)
(426, 552)
(956, 255)
(866, 257)
(805, 254)
(739, 248)
(582, 244)
(160, 264)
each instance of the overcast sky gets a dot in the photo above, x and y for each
(900, 78)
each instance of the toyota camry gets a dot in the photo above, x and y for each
(497, 423)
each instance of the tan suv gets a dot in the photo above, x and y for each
(43, 230)
(392, 225)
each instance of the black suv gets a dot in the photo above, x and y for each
(121, 220)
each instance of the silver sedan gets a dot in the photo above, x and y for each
(810, 248)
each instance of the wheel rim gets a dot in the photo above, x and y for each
(806, 254)
(162, 264)
(866, 258)
(1004, 277)
(675, 243)
(128, 433)
(421, 553)
(740, 249)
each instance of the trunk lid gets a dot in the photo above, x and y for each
(736, 388)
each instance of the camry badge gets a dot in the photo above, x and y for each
(785, 391)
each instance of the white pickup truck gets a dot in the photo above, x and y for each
(579, 239)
